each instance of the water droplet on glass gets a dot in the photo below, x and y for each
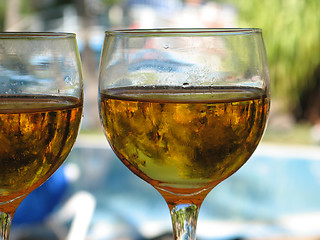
(68, 80)
(185, 84)
(165, 46)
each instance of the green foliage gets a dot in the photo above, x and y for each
(112, 2)
(26, 7)
(291, 30)
(2, 14)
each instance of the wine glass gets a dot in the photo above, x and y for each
(184, 109)
(41, 99)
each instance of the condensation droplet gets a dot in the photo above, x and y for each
(68, 80)
(185, 84)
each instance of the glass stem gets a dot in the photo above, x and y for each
(184, 221)
(5, 221)
(7, 210)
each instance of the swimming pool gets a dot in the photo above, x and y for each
(273, 194)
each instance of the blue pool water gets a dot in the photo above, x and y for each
(274, 193)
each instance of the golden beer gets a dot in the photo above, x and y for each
(36, 135)
(183, 141)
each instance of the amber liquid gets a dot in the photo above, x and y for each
(183, 141)
(36, 135)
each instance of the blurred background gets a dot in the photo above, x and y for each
(275, 196)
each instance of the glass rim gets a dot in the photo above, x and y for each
(182, 31)
(36, 35)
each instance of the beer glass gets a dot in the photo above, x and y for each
(184, 109)
(41, 99)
